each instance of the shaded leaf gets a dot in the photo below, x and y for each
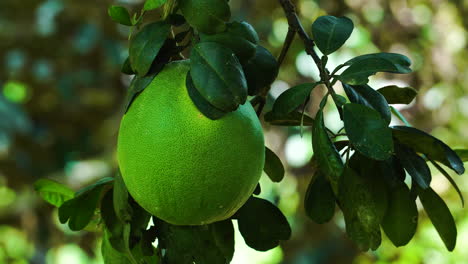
(261, 70)
(153, 4)
(330, 32)
(440, 216)
(240, 37)
(398, 95)
(291, 119)
(203, 105)
(113, 225)
(80, 210)
(109, 254)
(462, 153)
(319, 202)
(414, 164)
(450, 179)
(207, 16)
(401, 218)
(368, 131)
(361, 67)
(120, 15)
(145, 46)
(392, 171)
(273, 166)
(127, 67)
(292, 98)
(53, 192)
(257, 190)
(218, 76)
(212, 243)
(262, 224)
(328, 158)
(120, 200)
(365, 95)
(432, 147)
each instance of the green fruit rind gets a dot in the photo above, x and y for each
(182, 166)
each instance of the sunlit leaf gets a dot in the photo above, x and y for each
(53, 192)
(153, 4)
(120, 15)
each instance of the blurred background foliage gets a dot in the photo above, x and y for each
(61, 96)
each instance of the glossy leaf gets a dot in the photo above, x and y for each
(212, 243)
(319, 202)
(291, 119)
(292, 98)
(203, 105)
(273, 166)
(207, 16)
(368, 131)
(462, 153)
(218, 76)
(363, 202)
(430, 146)
(137, 85)
(153, 4)
(330, 32)
(145, 46)
(120, 15)
(440, 216)
(53, 192)
(398, 95)
(329, 160)
(361, 67)
(80, 210)
(414, 164)
(366, 95)
(262, 224)
(240, 37)
(261, 70)
(401, 217)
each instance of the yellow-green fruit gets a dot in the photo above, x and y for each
(181, 166)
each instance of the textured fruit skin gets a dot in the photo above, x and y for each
(181, 166)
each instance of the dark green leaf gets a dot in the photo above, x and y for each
(414, 164)
(53, 192)
(203, 106)
(145, 46)
(450, 179)
(361, 67)
(262, 224)
(328, 158)
(365, 95)
(330, 32)
(463, 154)
(319, 202)
(80, 210)
(120, 15)
(102, 182)
(291, 119)
(218, 76)
(430, 146)
(363, 200)
(257, 190)
(392, 171)
(212, 243)
(113, 225)
(401, 218)
(240, 37)
(261, 70)
(127, 67)
(207, 16)
(176, 20)
(137, 85)
(273, 166)
(440, 216)
(398, 95)
(368, 131)
(292, 98)
(120, 200)
(153, 4)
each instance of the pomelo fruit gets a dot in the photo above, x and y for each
(181, 166)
